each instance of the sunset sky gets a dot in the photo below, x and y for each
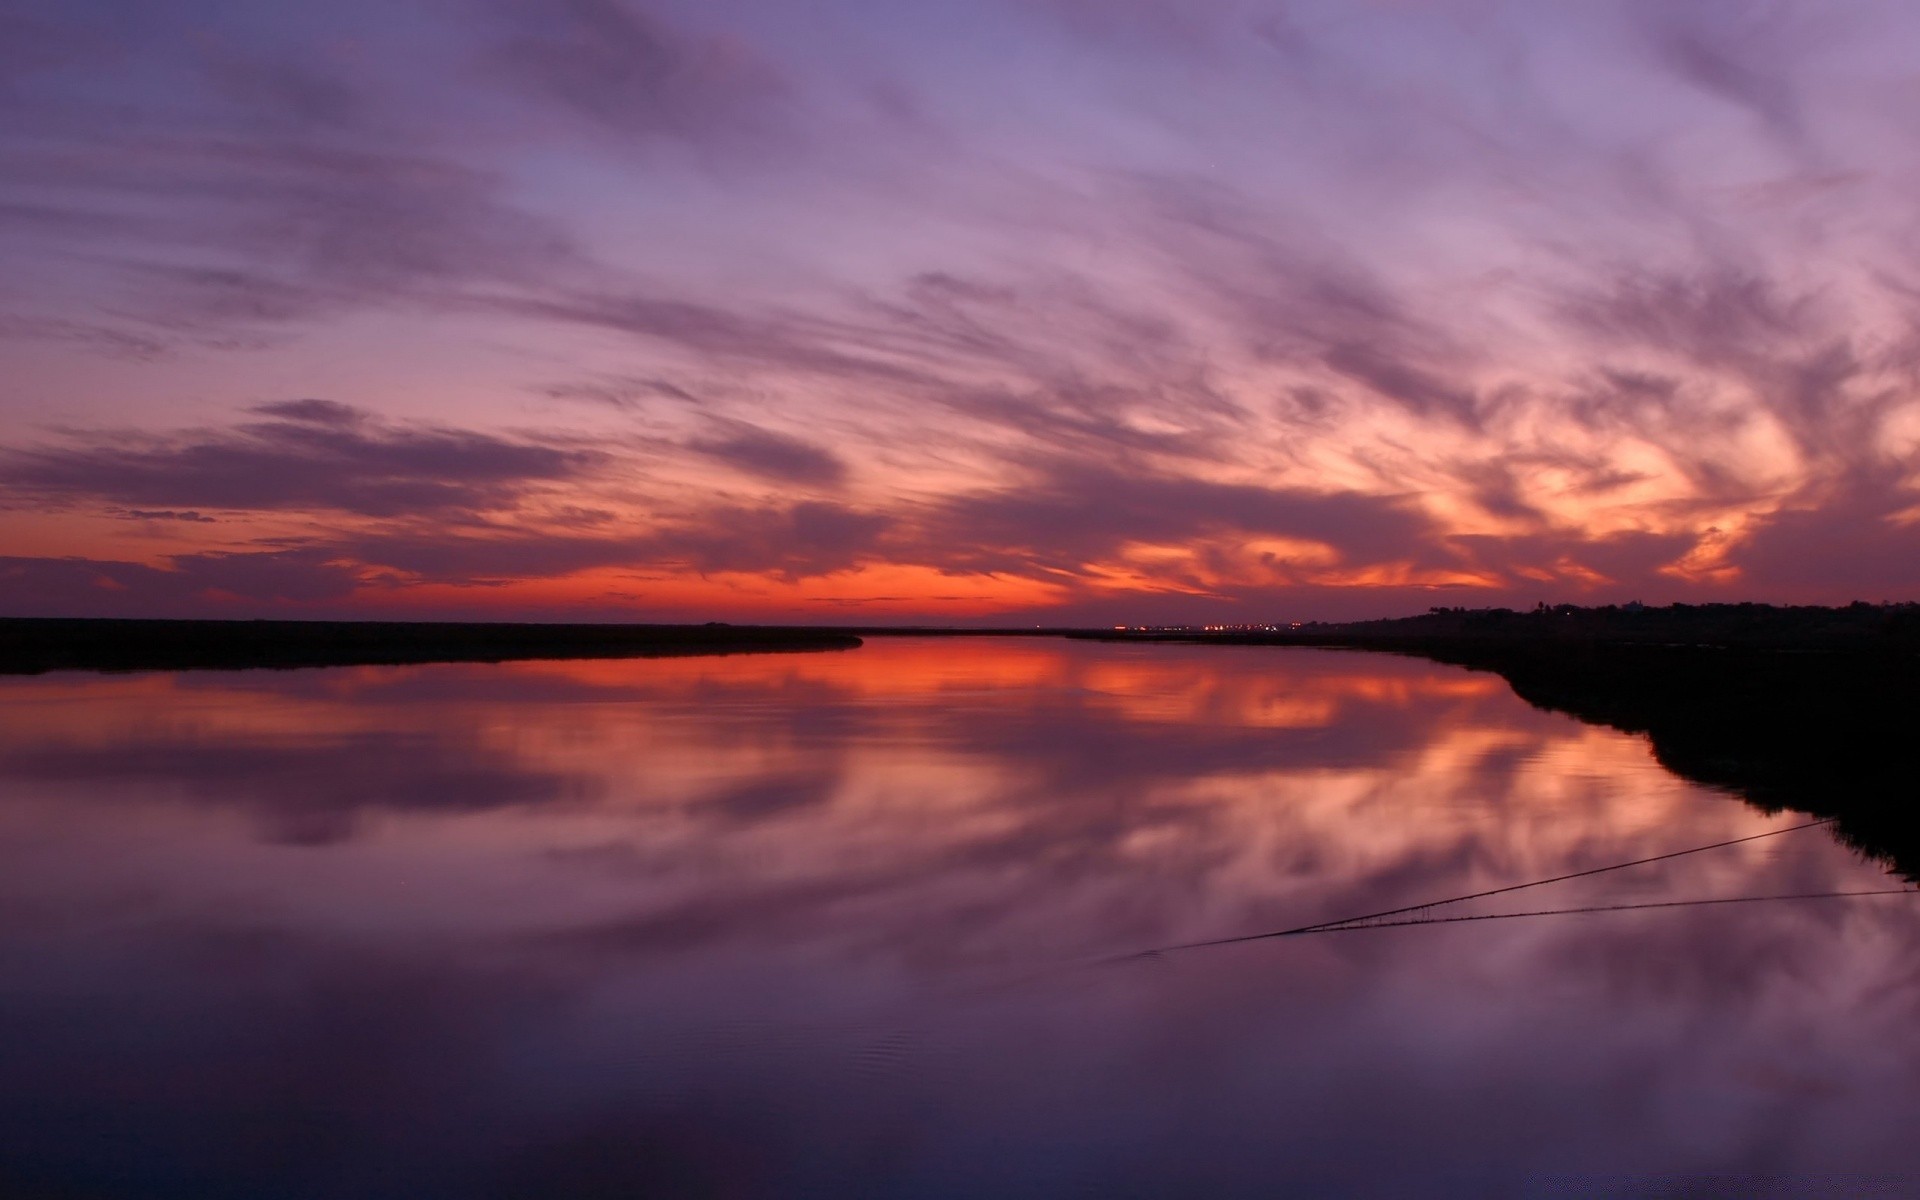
(1023, 311)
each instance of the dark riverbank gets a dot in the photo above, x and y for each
(33, 645)
(1811, 709)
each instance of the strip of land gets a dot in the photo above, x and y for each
(35, 645)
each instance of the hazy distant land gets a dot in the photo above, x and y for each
(35, 645)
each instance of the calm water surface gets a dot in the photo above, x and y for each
(837, 925)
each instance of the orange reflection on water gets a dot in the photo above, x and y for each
(1247, 780)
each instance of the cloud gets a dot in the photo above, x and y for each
(316, 412)
(349, 567)
(286, 784)
(626, 70)
(1078, 513)
(239, 184)
(724, 336)
(286, 94)
(771, 455)
(1740, 53)
(1180, 418)
(190, 584)
(1719, 317)
(299, 575)
(469, 559)
(1156, 26)
(1398, 380)
(339, 225)
(1571, 559)
(94, 337)
(795, 541)
(1290, 299)
(619, 392)
(1860, 539)
(167, 514)
(307, 455)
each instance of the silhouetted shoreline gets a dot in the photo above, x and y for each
(30, 646)
(1804, 708)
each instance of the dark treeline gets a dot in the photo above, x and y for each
(1811, 709)
(1797, 627)
(33, 645)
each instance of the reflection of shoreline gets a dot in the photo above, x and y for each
(29, 646)
(1823, 726)
(1829, 733)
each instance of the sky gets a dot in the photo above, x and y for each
(997, 312)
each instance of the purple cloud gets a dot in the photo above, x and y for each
(770, 455)
(1077, 513)
(167, 514)
(307, 455)
(193, 583)
(631, 71)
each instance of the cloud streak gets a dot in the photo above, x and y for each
(303, 455)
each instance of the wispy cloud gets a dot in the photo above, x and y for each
(631, 71)
(304, 455)
(771, 455)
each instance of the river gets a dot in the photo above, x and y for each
(872, 923)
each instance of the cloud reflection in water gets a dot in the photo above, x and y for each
(765, 925)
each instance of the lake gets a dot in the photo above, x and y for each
(871, 923)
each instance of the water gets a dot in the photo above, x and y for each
(844, 925)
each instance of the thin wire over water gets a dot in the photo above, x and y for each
(1377, 920)
(1597, 908)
